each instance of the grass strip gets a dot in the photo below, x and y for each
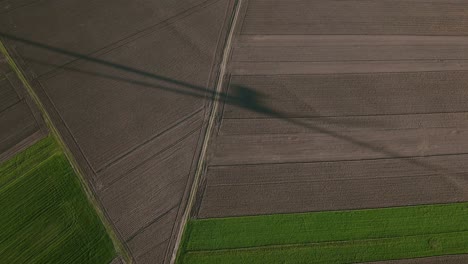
(329, 237)
(254, 231)
(340, 252)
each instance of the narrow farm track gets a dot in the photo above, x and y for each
(211, 122)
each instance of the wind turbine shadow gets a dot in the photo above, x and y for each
(241, 96)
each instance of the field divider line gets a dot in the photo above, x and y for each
(359, 210)
(118, 245)
(340, 160)
(201, 160)
(339, 61)
(336, 242)
(323, 180)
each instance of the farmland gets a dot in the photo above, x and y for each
(127, 119)
(46, 216)
(353, 112)
(329, 237)
(343, 111)
(325, 106)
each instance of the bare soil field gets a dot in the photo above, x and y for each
(288, 197)
(125, 84)
(20, 122)
(354, 94)
(347, 105)
(322, 146)
(250, 126)
(297, 187)
(85, 26)
(259, 48)
(386, 17)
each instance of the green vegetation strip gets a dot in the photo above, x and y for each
(329, 237)
(46, 216)
(341, 252)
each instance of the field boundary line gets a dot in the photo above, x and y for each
(339, 160)
(343, 73)
(118, 245)
(411, 206)
(324, 180)
(347, 116)
(206, 139)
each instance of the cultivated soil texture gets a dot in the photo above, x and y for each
(341, 105)
(126, 85)
(20, 122)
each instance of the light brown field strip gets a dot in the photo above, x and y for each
(253, 41)
(319, 48)
(236, 200)
(349, 53)
(385, 17)
(279, 68)
(335, 171)
(329, 145)
(355, 94)
(265, 126)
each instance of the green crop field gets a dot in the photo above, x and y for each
(45, 216)
(329, 237)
